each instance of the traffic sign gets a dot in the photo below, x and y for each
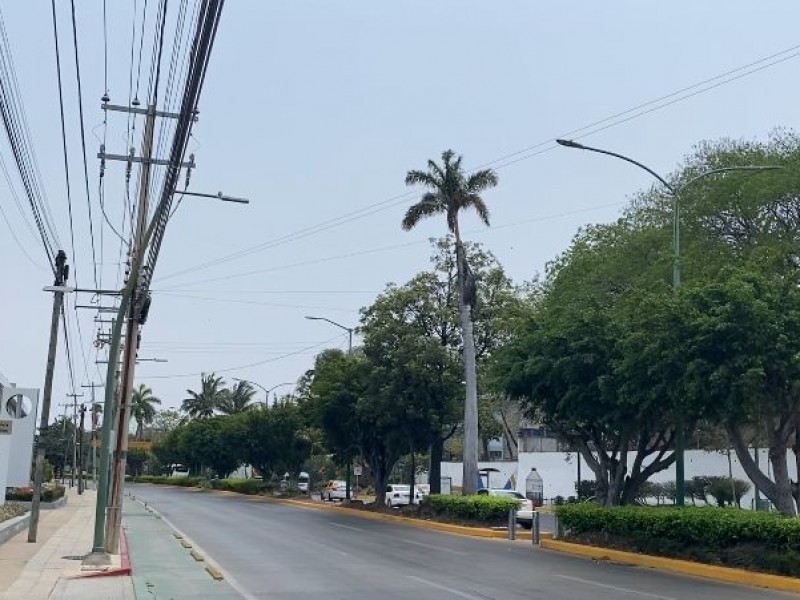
(5, 427)
(357, 470)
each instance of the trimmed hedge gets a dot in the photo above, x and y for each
(756, 540)
(11, 510)
(25, 494)
(252, 487)
(167, 480)
(475, 508)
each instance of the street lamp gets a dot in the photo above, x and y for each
(266, 391)
(675, 192)
(349, 331)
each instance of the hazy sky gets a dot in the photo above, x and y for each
(315, 110)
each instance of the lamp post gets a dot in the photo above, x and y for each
(266, 391)
(675, 193)
(349, 331)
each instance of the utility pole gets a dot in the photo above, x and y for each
(94, 414)
(131, 345)
(74, 437)
(81, 483)
(61, 276)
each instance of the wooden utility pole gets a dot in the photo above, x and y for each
(61, 276)
(131, 346)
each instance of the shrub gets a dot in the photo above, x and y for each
(166, 480)
(712, 528)
(475, 508)
(50, 493)
(251, 487)
(11, 510)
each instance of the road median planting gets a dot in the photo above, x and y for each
(732, 538)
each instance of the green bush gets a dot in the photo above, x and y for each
(251, 487)
(50, 493)
(474, 508)
(711, 528)
(166, 480)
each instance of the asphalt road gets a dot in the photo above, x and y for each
(277, 551)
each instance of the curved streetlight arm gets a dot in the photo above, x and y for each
(339, 325)
(571, 144)
(266, 391)
(274, 387)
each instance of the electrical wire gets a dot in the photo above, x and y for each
(64, 139)
(16, 239)
(548, 144)
(83, 140)
(255, 302)
(254, 364)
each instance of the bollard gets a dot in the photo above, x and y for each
(556, 528)
(535, 529)
(512, 524)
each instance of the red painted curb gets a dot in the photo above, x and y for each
(125, 561)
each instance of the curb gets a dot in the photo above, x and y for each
(12, 527)
(674, 565)
(124, 569)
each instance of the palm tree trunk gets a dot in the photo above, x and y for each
(469, 484)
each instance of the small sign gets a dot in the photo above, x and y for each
(357, 470)
(5, 427)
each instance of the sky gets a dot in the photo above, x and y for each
(314, 111)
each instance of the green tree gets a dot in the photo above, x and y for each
(451, 190)
(202, 404)
(143, 408)
(209, 443)
(237, 399)
(164, 421)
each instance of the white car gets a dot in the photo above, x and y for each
(525, 510)
(397, 494)
(337, 490)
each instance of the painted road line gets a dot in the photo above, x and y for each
(432, 547)
(615, 588)
(444, 588)
(350, 527)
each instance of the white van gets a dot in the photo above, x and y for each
(303, 482)
(179, 471)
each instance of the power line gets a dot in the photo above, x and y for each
(64, 138)
(549, 144)
(16, 239)
(254, 364)
(254, 302)
(83, 140)
(315, 261)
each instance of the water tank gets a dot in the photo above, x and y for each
(534, 488)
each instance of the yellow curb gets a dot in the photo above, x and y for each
(674, 565)
(215, 574)
(197, 556)
(185, 544)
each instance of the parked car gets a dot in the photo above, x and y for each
(525, 510)
(179, 471)
(397, 494)
(337, 490)
(303, 482)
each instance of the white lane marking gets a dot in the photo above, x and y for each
(615, 588)
(444, 588)
(351, 528)
(432, 547)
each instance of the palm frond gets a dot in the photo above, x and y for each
(481, 180)
(416, 177)
(430, 204)
(476, 202)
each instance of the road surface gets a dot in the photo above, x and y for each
(284, 552)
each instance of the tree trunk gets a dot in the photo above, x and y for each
(435, 467)
(778, 491)
(412, 477)
(470, 474)
(379, 474)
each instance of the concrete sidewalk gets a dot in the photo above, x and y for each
(47, 569)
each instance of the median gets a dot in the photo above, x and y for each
(722, 537)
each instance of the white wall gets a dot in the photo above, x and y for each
(559, 470)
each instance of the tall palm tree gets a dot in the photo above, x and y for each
(202, 404)
(450, 191)
(237, 399)
(143, 408)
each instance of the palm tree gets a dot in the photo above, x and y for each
(202, 404)
(450, 190)
(237, 399)
(143, 408)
